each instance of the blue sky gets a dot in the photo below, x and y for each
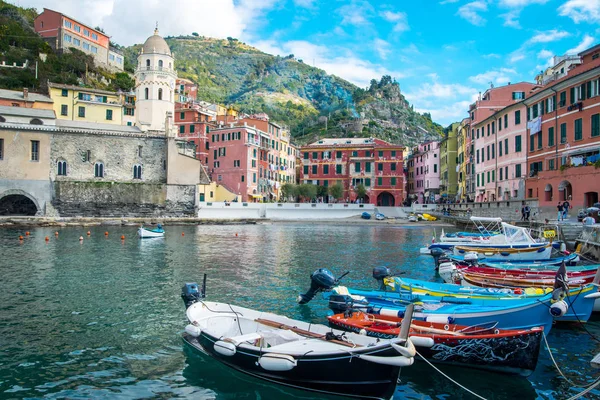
(442, 52)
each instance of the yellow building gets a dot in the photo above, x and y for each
(83, 104)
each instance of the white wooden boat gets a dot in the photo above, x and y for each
(294, 353)
(151, 233)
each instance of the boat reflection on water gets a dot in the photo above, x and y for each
(201, 371)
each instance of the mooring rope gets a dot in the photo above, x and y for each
(589, 386)
(450, 379)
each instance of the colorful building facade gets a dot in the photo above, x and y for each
(424, 173)
(464, 166)
(563, 136)
(448, 163)
(76, 103)
(373, 163)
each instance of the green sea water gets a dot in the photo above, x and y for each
(103, 318)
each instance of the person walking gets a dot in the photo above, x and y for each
(589, 220)
(523, 213)
(559, 209)
(527, 212)
(566, 206)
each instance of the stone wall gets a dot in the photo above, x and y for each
(118, 154)
(507, 210)
(111, 199)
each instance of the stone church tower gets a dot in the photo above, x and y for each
(155, 85)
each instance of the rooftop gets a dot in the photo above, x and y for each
(80, 88)
(18, 95)
(79, 22)
(26, 112)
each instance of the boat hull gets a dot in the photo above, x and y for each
(147, 233)
(510, 352)
(527, 252)
(364, 380)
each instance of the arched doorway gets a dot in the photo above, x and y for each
(590, 198)
(548, 193)
(385, 199)
(17, 204)
(566, 189)
(365, 199)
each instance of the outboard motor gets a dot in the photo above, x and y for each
(436, 253)
(321, 279)
(341, 303)
(380, 273)
(471, 258)
(191, 293)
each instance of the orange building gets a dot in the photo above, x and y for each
(25, 99)
(63, 32)
(563, 146)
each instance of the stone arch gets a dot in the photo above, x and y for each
(548, 192)
(36, 121)
(386, 199)
(18, 202)
(566, 189)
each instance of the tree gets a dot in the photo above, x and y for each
(322, 191)
(288, 190)
(360, 190)
(195, 34)
(123, 81)
(336, 191)
(307, 191)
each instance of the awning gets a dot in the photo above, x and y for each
(585, 150)
(256, 196)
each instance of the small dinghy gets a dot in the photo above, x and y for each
(295, 353)
(151, 233)
(379, 217)
(481, 346)
(365, 215)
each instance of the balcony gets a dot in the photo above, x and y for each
(162, 70)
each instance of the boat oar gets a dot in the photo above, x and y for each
(302, 332)
(420, 328)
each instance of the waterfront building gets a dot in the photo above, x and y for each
(487, 122)
(464, 165)
(63, 167)
(155, 78)
(426, 173)
(193, 123)
(563, 135)
(185, 91)
(448, 163)
(373, 163)
(77, 103)
(24, 98)
(63, 32)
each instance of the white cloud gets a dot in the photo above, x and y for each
(470, 12)
(399, 19)
(584, 45)
(357, 13)
(455, 111)
(545, 54)
(305, 3)
(499, 76)
(448, 1)
(381, 47)
(230, 17)
(439, 90)
(520, 3)
(548, 36)
(511, 19)
(581, 10)
(516, 56)
(491, 55)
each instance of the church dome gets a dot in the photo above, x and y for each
(156, 44)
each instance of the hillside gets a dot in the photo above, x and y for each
(296, 94)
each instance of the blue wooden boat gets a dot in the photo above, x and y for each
(144, 233)
(365, 215)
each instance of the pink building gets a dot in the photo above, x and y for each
(497, 124)
(424, 172)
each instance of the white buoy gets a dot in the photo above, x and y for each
(277, 362)
(225, 348)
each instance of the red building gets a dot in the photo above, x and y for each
(374, 163)
(194, 123)
(563, 146)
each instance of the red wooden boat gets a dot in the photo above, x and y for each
(479, 346)
(496, 277)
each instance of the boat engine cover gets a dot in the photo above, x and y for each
(321, 279)
(190, 293)
(379, 274)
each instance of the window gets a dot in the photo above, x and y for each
(531, 142)
(99, 170)
(305, 155)
(379, 181)
(393, 181)
(338, 154)
(392, 166)
(109, 115)
(477, 156)
(367, 182)
(192, 128)
(160, 64)
(305, 170)
(137, 172)
(518, 95)
(67, 38)
(517, 143)
(505, 120)
(578, 130)
(146, 93)
(380, 153)
(563, 133)
(595, 125)
(517, 117)
(181, 128)
(393, 153)
(64, 109)
(86, 46)
(493, 151)
(494, 176)
(314, 169)
(1, 149)
(160, 94)
(326, 169)
(434, 168)
(500, 150)
(315, 155)
(76, 42)
(488, 152)
(367, 167)
(493, 127)
(355, 154)
(379, 166)
(551, 164)
(500, 175)
(68, 24)
(254, 177)
(488, 177)
(477, 133)
(94, 36)
(357, 167)
(563, 99)
(478, 180)
(86, 32)
(488, 129)
(539, 137)
(81, 112)
(242, 178)
(517, 170)
(550, 136)
(338, 168)
(94, 49)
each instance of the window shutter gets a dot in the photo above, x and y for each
(572, 95)
(589, 89)
(582, 95)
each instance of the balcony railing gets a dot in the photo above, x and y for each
(164, 70)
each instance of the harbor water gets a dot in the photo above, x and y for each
(103, 318)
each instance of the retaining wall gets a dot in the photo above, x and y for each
(281, 211)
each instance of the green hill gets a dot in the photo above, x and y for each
(311, 102)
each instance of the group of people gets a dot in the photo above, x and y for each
(562, 210)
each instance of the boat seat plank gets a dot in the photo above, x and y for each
(303, 332)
